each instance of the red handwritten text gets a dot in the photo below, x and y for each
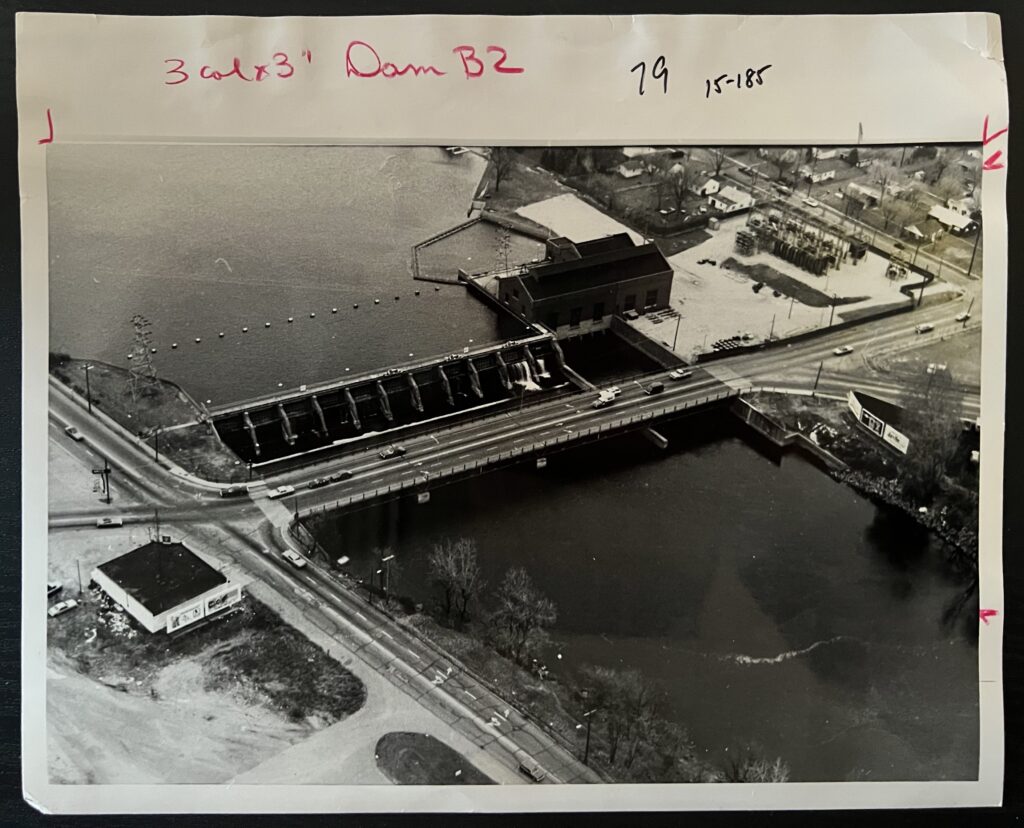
(985, 614)
(362, 60)
(279, 66)
(992, 162)
(49, 122)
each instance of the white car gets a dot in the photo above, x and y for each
(680, 374)
(281, 491)
(963, 317)
(843, 350)
(294, 558)
(62, 607)
(109, 522)
(810, 202)
(74, 434)
(924, 327)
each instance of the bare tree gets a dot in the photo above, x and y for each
(522, 612)
(717, 158)
(453, 566)
(502, 160)
(676, 177)
(947, 187)
(886, 175)
(626, 704)
(749, 765)
(932, 422)
(898, 212)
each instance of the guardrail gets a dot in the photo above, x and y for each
(430, 480)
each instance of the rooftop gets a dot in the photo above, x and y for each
(951, 218)
(603, 262)
(162, 575)
(888, 412)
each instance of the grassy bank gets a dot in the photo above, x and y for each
(184, 437)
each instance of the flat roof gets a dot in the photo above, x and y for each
(161, 576)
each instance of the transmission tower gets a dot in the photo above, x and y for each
(141, 373)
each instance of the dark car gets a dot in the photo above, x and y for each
(317, 482)
(232, 491)
(655, 388)
(344, 474)
(388, 452)
(52, 588)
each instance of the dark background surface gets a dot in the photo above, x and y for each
(13, 811)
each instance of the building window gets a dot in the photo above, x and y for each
(551, 320)
(598, 311)
(574, 317)
(631, 301)
(652, 299)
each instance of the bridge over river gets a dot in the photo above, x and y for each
(469, 448)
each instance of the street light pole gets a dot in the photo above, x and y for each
(88, 392)
(586, 750)
(833, 314)
(675, 338)
(977, 238)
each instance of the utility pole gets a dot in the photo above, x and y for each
(78, 565)
(675, 339)
(791, 301)
(974, 250)
(156, 443)
(586, 750)
(105, 474)
(832, 315)
(818, 376)
(387, 574)
(969, 310)
(772, 331)
(88, 393)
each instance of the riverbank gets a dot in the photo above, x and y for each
(873, 471)
(162, 414)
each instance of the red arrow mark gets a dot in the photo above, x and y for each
(985, 614)
(49, 121)
(986, 138)
(991, 161)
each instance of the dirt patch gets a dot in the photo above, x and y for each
(418, 759)
(243, 687)
(788, 286)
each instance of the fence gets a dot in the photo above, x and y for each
(503, 458)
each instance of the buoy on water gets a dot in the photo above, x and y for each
(312, 315)
(198, 340)
(174, 344)
(291, 319)
(334, 310)
(152, 350)
(397, 298)
(266, 324)
(417, 293)
(221, 334)
(376, 301)
(245, 330)
(356, 305)
(436, 289)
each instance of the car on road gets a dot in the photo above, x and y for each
(317, 482)
(602, 401)
(810, 202)
(388, 452)
(963, 317)
(61, 607)
(109, 522)
(531, 769)
(680, 374)
(843, 350)
(52, 588)
(783, 190)
(344, 474)
(281, 491)
(74, 434)
(232, 491)
(654, 388)
(924, 327)
(294, 558)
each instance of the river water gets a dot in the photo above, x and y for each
(773, 605)
(209, 239)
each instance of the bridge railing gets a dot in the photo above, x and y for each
(426, 480)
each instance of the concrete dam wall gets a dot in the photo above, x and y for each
(270, 428)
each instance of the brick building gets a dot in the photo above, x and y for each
(580, 286)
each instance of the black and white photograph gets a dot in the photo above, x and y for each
(513, 465)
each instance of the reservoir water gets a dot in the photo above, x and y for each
(209, 239)
(772, 604)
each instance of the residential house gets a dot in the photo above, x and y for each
(929, 230)
(731, 200)
(957, 223)
(705, 186)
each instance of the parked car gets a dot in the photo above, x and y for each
(317, 482)
(532, 770)
(52, 588)
(74, 434)
(294, 558)
(655, 388)
(388, 452)
(924, 327)
(61, 607)
(842, 350)
(810, 202)
(680, 374)
(963, 317)
(109, 522)
(232, 491)
(281, 491)
(344, 474)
